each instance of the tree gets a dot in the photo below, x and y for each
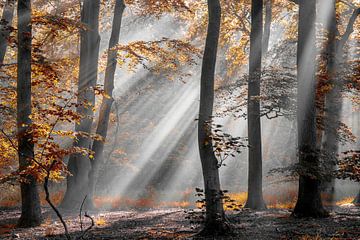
(333, 98)
(332, 103)
(79, 165)
(215, 222)
(267, 26)
(5, 27)
(255, 197)
(30, 202)
(104, 113)
(357, 199)
(309, 199)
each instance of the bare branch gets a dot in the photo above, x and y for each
(80, 214)
(349, 29)
(48, 200)
(87, 229)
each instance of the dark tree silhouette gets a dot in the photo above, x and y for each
(5, 27)
(357, 199)
(215, 222)
(79, 165)
(255, 197)
(104, 115)
(309, 202)
(30, 202)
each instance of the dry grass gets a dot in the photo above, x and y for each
(310, 237)
(287, 200)
(284, 201)
(347, 200)
(10, 196)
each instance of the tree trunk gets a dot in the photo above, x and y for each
(267, 26)
(333, 102)
(6, 21)
(30, 202)
(309, 199)
(215, 222)
(333, 106)
(104, 115)
(79, 165)
(357, 199)
(255, 197)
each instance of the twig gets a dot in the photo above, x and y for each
(89, 228)
(46, 180)
(53, 126)
(58, 214)
(81, 207)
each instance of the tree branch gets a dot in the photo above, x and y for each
(48, 200)
(349, 28)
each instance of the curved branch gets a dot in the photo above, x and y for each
(48, 200)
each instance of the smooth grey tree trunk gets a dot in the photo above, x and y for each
(104, 115)
(255, 197)
(5, 27)
(267, 26)
(30, 201)
(333, 106)
(215, 222)
(333, 99)
(309, 202)
(79, 165)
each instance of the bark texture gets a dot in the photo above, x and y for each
(5, 27)
(79, 165)
(215, 222)
(30, 202)
(309, 202)
(255, 197)
(104, 115)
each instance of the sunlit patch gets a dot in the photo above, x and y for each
(100, 221)
(345, 202)
(143, 203)
(180, 204)
(284, 201)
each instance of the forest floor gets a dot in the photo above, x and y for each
(344, 223)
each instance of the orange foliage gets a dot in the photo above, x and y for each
(117, 202)
(13, 198)
(6, 229)
(56, 198)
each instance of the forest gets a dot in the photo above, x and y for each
(180, 119)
